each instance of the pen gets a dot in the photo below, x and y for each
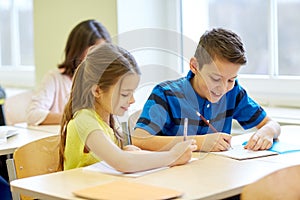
(206, 122)
(185, 127)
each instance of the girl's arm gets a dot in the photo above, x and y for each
(127, 161)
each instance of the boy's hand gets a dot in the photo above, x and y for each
(216, 142)
(260, 141)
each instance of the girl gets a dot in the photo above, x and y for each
(103, 86)
(48, 103)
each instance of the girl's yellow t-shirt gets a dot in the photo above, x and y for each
(84, 122)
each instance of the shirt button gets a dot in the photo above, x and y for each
(208, 105)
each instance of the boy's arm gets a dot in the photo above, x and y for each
(270, 126)
(207, 143)
(146, 141)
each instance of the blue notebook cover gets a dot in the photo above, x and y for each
(281, 147)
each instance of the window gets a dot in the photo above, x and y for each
(270, 32)
(16, 43)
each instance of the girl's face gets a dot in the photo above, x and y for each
(120, 96)
(215, 79)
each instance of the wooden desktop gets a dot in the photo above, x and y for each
(210, 177)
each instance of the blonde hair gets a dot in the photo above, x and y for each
(104, 65)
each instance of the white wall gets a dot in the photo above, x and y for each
(54, 20)
(145, 29)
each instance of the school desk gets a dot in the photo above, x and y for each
(23, 137)
(43, 128)
(210, 177)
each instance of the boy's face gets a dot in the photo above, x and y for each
(214, 79)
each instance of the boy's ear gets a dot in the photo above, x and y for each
(96, 91)
(194, 65)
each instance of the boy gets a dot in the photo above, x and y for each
(210, 90)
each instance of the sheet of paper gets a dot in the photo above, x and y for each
(238, 152)
(103, 167)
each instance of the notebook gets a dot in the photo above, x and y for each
(239, 153)
(126, 190)
(8, 132)
(11, 133)
(282, 147)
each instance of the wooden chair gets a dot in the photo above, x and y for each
(281, 184)
(132, 120)
(35, 158)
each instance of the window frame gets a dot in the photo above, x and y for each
(271, 90)
(16, 75)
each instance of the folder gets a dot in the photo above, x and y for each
(126, 190)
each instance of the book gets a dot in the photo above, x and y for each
(282, 147)
(126, 190)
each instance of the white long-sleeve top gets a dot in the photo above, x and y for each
(51, 96)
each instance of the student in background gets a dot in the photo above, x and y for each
(103, 87)
(47, 104)
(210, 96)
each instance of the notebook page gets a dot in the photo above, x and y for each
(239, 153)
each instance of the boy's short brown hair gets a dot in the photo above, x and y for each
(222, 44)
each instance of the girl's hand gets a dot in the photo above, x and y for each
(131, 148)
(216, 142)
(182, 152)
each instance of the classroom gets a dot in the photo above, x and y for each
(163, 37)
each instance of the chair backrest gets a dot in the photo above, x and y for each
(15, 107)
(281, 184)
(132, 119)
(37, 158)
(141, 95)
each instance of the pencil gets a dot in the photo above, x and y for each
(185, 127)
(207, 123)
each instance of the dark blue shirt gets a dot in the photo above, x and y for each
(172, 101)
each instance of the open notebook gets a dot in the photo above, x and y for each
(126, 190)
(238, 152)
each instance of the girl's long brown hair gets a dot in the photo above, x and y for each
(103, 65)
(83, 35)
